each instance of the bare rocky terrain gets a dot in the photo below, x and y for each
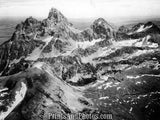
(49, 67)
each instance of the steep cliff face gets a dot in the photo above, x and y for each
(49, 67)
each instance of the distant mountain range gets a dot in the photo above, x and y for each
(49, 67)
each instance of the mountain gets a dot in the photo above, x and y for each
(49, 69)
(141, 30)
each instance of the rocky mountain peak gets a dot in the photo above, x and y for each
(142, 29)
(56, 15)
(56, 23)
(101, 22)
(102, 27)
(152, 26)
(149, 23)
(123, 29)
(137, 26)
(30, 21)
(26, 30)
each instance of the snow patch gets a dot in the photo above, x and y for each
(98, 83)
(4, 89)
(109, 84)
(138, 82)
(103, 98)
(118, 88)
(38, 65)
(139, 52)
(133, 77)
(142, 28)
(143, 42)
(3, 94)
(130, 110)
(47, 40)
(138, 76)
(15, 61)
(123, 43)
(86, 44)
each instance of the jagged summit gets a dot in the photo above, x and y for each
(144, 28)
(56, 15)
(149, 23)
(30, 21)
(103, 28)
(137, 26)
(123, 29)
(101, 22)
(153, 28)
(56, 23)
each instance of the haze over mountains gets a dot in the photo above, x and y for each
(50, 67)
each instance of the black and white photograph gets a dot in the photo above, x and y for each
(79, 59)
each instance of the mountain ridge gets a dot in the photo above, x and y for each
(50, 67)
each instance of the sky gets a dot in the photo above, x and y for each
(111, 9)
